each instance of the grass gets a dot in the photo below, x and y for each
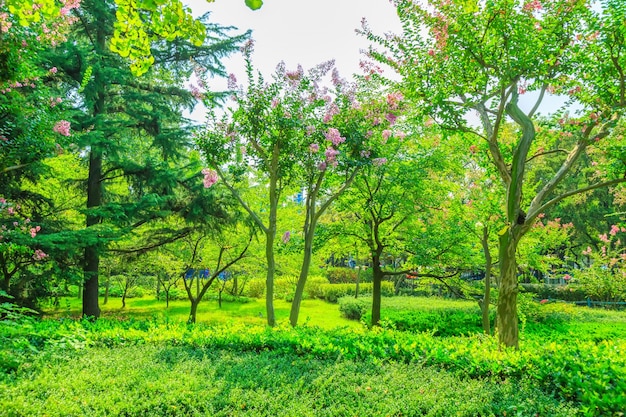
(182, 381)
(312, 312)
(145, 361)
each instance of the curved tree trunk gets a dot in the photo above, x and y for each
(193, 312)
(304, 273)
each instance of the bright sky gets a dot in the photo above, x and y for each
(301, 32)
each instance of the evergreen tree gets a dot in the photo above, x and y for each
(131, 130)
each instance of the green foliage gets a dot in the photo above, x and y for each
(338, 275)
(568, 292)
(354, 308)
(333, 292)
(584, 377)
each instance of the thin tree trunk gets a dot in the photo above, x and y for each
(507, 319)
(376, 289)
(304, 273)
(484, 305)
(269, 252)
(194, 311)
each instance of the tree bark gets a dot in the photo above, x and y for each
(376, 289)
(193, 312)
(304, 273)
(484, 306)
(507, 319)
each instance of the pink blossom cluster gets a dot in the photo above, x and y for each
(379, 161)
(394, 99)
(532, 5)
(286, 237)
(69, 5)
(62, 127)
(314, 148)
(39, 255)
(34, 230)
(210, 177)
(334, 136)
(5, 23)
(331, 111)
(331, 156)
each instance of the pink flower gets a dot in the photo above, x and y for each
(400, 135)
(386, 135)
(391, 118)
(604, 238)
(532, 6)
(567, 277)
(544, 301)
(34, 230)
(53, 70)
(286, 236)
(62, 127)
(379, 161)
(334, 136)
(39, 255)
(210, 177)
(365, 153)
(614, 230)
(321, 166)
(314, 148)
(394, 99)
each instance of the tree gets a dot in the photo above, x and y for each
(131, 130)
(289, 133)
(562, 47)
(139, 25)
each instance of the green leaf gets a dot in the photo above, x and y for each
(254, 4)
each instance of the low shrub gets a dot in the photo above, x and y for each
(354, 308)
(333, 292)
(568, 292)
(255, 288)
(313, 286)
(338, 275)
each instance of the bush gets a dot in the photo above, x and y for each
(313, 286)
(556, 292)
(333, 292)
(255, 288)
(354, 308)
(337, 275)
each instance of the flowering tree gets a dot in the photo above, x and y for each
(561, 47)
(297, 136)
(19, 249)
(604, 277)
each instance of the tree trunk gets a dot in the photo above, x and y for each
(219, 297)
(269, 248)
(107, 286)
(376, 289)
(124, 298)
(304, 273)
(484, 306)
(94, 190)
(507, 320)
(167, 297)
(194, 311)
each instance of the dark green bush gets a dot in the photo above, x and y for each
(354, 308)
(568, 292)
(338, 275)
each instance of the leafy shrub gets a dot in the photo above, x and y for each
(556, 292)
(338, 275)
(333, 292)
(354, 308)
(255, 288)
(313, 286)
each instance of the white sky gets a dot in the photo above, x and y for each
(300, 32)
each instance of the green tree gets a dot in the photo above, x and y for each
(571, 48)
(132, 131)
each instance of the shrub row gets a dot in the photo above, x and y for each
(333, 292)
(555, 292)
(592, 374)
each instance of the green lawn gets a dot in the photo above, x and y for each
(313, 312)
